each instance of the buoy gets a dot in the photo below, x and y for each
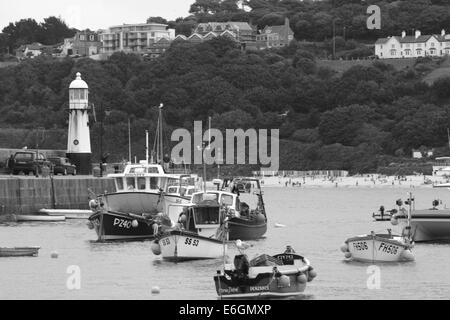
(284, 281)
(407, 255)
(311, 274)
(348, 255)
(135, 224)
(302, 278)
(394, 221)
(93, 204)
(90, 225)
(156, 248)
(260, 218)
(54, 255)
(344, 248)
(156, 290)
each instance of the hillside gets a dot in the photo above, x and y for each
(442, 71)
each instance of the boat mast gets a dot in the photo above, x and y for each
(129, 140)
(146, 146)
(161, 106)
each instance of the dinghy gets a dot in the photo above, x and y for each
(69, 214)
(280, 276)
(19, 252)
(39, 218)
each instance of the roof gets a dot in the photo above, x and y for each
(277, 29)
(224, 25)
(382, 40)
(78, 83)
(413, 39)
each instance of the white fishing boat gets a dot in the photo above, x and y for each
(39, 218)
(376, 247)
(280, 276)
(68, 213)
(199, 233)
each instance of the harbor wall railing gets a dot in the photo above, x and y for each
(28, 195)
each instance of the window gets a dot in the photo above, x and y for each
(407, 52)
(141, 183)
(119, 182)
(131, 183)
(152, 170)
(154, 183)
(227, 200)
(432, 44)
(393, 52)
(393, 46)
(91, 37)
(82, 37)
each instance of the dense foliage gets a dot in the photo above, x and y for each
(355, 120)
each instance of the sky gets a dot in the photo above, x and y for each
(93, 14)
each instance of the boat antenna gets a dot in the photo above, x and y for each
(161, 106)
(448, 136)
(129, 140)
(409, 215)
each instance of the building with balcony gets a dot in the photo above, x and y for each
(133, 38)
(413, 46)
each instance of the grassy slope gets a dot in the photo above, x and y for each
(442, 71)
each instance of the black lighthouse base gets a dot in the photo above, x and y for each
(83, 162)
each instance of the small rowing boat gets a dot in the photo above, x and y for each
(19, 252)
(39, 218)
(69, 214)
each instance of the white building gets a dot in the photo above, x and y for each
(414, 46)
(133, 37)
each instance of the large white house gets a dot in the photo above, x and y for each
(414, 46)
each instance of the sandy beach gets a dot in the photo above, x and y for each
(361, 181)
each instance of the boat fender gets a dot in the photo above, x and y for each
(155, 229)
(93, 205)
(348, 255)
(394, 220)
(135, 224)
(156, 248)
(284, 281)
(90, 225)
(407, 255)
(344, 248)
(301, 278)
(311, 274)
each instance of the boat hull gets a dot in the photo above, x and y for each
(428, 225)
(377, 249)
(243, 229)
(262, 287)
(119, 227)
(19, 252)
(180, 246)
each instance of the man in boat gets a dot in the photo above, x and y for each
(382, 211)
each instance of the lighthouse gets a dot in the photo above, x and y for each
(79, 141)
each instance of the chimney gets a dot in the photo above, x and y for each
(403, 34)
(443, 32)
(418, 33)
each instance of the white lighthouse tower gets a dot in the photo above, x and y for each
(79, 141)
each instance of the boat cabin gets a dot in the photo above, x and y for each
(204, 216)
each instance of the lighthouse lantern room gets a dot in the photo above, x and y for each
(79, 142)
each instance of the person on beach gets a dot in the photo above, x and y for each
(10, 164)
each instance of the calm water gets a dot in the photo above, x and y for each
(317, 222)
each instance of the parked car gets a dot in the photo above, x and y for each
(29, 161)
(63, 166)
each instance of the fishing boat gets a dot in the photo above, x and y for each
(39, 218)
(199, 233)
(383, 215)
(247, 216)
(142, 192)
(378, 247)
(19, 252)
(68, 213)
(279, 276)
(382, 247)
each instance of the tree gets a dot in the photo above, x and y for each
(205, 6)
(157, 20)
(22, 32)
(54, 30)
